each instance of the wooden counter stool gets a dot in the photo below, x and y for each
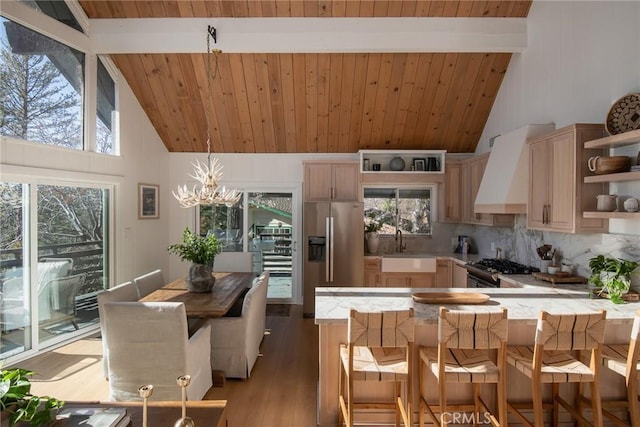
(464, 355)
(623, 360)
(379, 348)
(555, 359)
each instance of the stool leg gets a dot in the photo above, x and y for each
(476, 404)
(537, 402)
(632, 401)
(502, 399)
(442, 389)
(397, 399)
(596, 405)
(555, 392)
(421, 408)
(350, 403)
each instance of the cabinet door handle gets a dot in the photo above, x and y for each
(544, 214)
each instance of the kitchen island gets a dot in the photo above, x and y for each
(523, 304)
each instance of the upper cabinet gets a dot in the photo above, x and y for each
(557, 193)
(606, 143)
(451, 193)
(331, 181)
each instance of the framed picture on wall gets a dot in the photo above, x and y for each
(148, 201)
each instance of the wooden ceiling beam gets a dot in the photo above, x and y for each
(310, 35)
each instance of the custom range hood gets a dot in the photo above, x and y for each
(504, 188)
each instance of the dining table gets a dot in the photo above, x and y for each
(228, 288)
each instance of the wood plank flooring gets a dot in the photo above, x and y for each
(282, 390)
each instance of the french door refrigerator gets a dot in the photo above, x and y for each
(333, 247)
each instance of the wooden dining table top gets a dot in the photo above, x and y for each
(225, 292)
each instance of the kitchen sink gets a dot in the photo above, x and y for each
(405, 264)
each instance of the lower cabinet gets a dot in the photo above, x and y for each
(444, 273)
(459, 276)
(409, 280)
(372, 274)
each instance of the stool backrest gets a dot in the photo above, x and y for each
(472, 330)
(381, 329)
(574, 331)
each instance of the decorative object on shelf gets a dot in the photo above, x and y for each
(376, 167)
(145, 393)
(420, 164)
(611, 276)
(366, 164)
(612, 164)
(17, 401)
(208, 175)
(607, 202)
(184, 421)
(631, 204)
(624, 114)
(397, 164)
(201, 251)
(148, 201)
(433, 164)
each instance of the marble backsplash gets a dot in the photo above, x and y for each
(519, 244)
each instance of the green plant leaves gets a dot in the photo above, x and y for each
(196, 249)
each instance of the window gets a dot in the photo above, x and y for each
(105, 109)
(406, 209)
(41, 88)
(225, 222)
(55, 9)
(51, 265)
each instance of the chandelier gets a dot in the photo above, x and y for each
(207, 191)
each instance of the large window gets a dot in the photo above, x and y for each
(51, 265)
(405, 209)
(41, 88)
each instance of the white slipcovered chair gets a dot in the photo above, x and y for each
(149, 282)
(235, 341)
(149, 344)
(233, 262)
(124, 292)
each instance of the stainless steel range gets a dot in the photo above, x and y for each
(484, 273)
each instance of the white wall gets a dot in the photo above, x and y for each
(139, 245)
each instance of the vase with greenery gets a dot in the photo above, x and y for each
(200, 251)
(611, 276)
(17, 401)
(371, 227)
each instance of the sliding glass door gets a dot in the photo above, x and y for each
(263, 223)
(53, 261)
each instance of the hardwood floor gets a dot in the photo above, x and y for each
(282, 390)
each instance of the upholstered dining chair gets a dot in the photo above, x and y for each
(555, 359)
(235, 341)
(149, 344)
(379, 348)
(123, 292)
(233, 262)
(149, 282)
(466, 343)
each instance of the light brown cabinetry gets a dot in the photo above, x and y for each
(451, 201)
(444, 273)
(609, 142)
(459, 276)
(408, 280)
(557, 194)
(372, 274)
(470, 177)
(327, 181)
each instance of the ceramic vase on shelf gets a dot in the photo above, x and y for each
(199, 278)
(373, 241)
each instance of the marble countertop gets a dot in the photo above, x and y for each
(333, 304)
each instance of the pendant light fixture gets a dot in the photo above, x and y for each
(207, 191)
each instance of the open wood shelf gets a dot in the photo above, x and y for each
(619, 140)
(612, 177)
(611, 215)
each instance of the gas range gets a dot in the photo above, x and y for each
(483, 273)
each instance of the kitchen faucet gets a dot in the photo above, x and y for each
(399, 246)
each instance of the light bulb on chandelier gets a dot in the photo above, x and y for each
(207, 191)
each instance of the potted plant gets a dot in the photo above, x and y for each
(17, 401)
(200, 251)
(371, 227)
(611, 276)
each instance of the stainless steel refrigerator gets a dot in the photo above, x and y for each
(333, 247)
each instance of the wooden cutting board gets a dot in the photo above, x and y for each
(554, 278)
(450, 298)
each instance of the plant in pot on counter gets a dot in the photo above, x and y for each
(200, 251)
(612, 276)
(17, 401)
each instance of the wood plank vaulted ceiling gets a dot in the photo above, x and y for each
(315, 102)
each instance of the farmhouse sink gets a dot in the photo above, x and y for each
(408, 264)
